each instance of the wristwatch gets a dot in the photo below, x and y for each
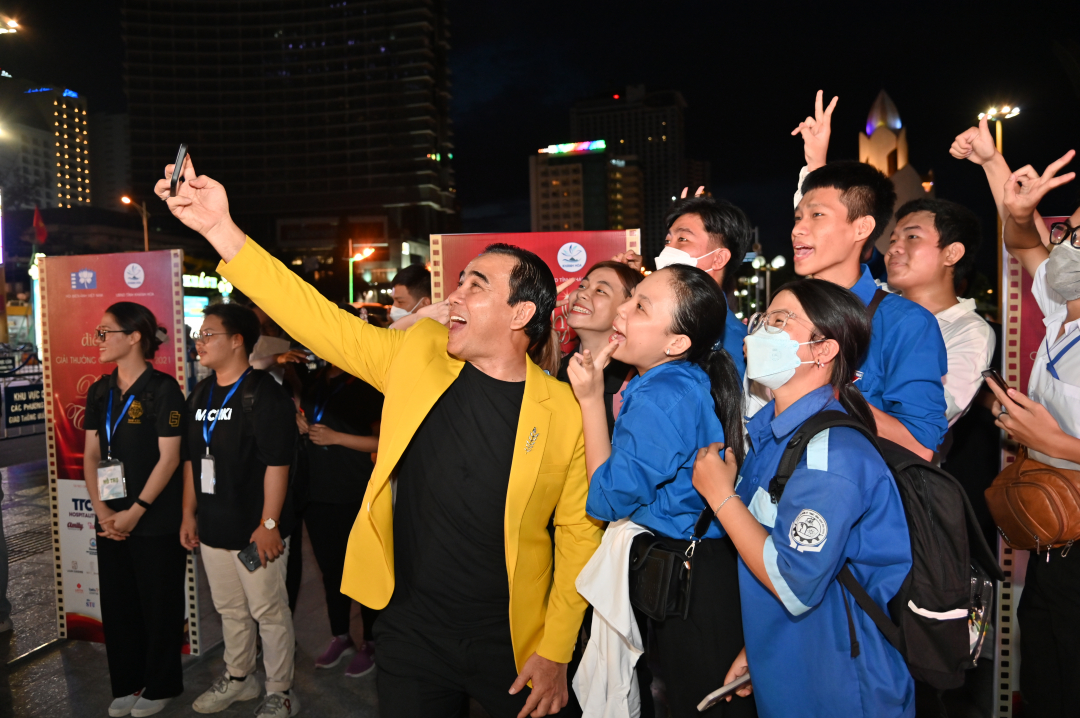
(269, 524)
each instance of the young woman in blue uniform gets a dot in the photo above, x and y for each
(840, 506)
(685, 394)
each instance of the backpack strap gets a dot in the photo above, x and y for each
(247, 391)
(869, 605)
(871, 308)
(813, 426)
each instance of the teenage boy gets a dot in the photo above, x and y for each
(240, 441)
(713, 235)
(931, 251)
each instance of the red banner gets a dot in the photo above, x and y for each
(568, 254)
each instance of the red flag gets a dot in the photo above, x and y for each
(39, 227)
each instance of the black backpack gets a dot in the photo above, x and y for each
(952, 569)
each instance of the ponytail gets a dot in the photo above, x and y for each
(726, 390)
(855, 404)
(547, 352)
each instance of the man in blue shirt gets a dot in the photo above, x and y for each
(713, 235)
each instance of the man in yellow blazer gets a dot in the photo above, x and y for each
(483, 451)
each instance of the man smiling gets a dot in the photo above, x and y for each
(486, 450)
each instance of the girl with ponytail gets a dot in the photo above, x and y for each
(685, 393)
(839, 508)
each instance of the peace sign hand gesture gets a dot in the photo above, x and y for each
(815, 132)
(1025, 188)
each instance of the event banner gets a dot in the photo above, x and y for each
(75, 291)
(568, 254)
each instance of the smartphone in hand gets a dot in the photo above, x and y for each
(994, 376)
(178, 170)
(723, 692)
(250, 557)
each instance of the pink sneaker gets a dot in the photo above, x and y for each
(363, 662)
(338, 649)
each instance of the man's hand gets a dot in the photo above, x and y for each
(815, 132)
(189, 532)
(1028, 421)
(293, 356)
(440, 312)
(322, 435)
(549, 694)
(586, 372)
(739, 667)
(302, 423)
(202, 205)
(1025, 188)
(975, 144)
(269, 543)
(630, 258)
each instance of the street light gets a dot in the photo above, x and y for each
(358, 257)
(778, 262)
(998, 115)
(145, 219)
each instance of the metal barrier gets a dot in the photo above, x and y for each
(23, 395)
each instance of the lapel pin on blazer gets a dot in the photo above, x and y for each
(533, 435)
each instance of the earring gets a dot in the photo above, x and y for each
(667, 352)
(818, 363)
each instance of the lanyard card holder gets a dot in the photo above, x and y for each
(110, 477)
(208, 474)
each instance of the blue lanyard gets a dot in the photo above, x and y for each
(208, 431)
(110, 427)
(320, 409)
(1051, 362)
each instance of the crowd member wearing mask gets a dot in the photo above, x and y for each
(714, 236)
(686, 395)
(840, 506)
(412, 291)
(134, 423)
(1047, 422)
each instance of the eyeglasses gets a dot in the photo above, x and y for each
(774, 321)
(101, 333)
(205, 336)
(1060, 230)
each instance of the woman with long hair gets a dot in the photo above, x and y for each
(839, 508)
(131, 462)
(684, 393)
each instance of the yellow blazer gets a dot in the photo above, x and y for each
(412, 369)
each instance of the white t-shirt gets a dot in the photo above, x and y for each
(1060, 396)
(969, 343)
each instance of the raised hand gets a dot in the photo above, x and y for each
(559, 290)
(202, 205)
(700, 191)
(975, 144)
(586, 372)
(1025, 188)
(815, 132)
(630, 258)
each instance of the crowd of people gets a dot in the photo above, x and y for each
(543, 533)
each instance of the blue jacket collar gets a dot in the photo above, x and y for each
(866, 286)
(791, 418)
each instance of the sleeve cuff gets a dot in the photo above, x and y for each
(791, 602)
(236, 268)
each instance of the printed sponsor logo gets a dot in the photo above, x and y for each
(219, 414)
(134, 276)
(571, 257)
(73, 525)
(84, 279)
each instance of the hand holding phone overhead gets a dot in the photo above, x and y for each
(201, 204)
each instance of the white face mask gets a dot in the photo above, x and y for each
(399, 313)
(669, 256)
(1063, 271)
(771, 359)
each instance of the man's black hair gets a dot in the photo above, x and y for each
(531, 280)
(727, 226)
(416, 279)
(863, 190)
(237, 320)
(954, 223)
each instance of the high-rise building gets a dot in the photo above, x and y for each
(45, 158)
(649, 126)
(582, 186)
(327, 122)
(112, 159)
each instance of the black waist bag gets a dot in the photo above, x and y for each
(661, 571)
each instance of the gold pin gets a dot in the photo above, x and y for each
(533, 435)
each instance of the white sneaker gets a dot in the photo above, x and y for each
(225, 692)
(122, 706)
(279, 705)
(146, 707)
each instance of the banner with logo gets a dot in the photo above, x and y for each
(75, 292)
(568, 254)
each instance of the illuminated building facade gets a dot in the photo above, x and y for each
(582, 186)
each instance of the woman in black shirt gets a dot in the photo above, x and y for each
(131, 462)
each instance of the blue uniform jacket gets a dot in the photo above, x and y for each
(902, 372)
(841, 504)
(732, 341)
(667, 415)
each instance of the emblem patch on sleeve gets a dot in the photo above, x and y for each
(808, 531)
(174, 419)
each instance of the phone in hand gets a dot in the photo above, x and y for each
(994, 376)
(723, 692)
(178, 170)
(250, 557)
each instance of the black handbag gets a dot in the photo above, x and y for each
(661, 571)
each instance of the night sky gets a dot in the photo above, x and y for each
(748, 72)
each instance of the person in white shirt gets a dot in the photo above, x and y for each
(931, 250)
(1047, 421)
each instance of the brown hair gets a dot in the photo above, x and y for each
(629, 277)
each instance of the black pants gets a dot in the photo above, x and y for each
(142, 612)
(425, 675)
(328, 528)
(1049, 615)
(695, 654)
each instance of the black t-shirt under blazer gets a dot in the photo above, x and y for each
(157, 410)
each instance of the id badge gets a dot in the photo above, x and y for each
(209, 475)
(110, 478)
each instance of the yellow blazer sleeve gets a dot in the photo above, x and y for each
(333, 334)
(577, 536)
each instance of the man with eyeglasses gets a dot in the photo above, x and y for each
(240, 440)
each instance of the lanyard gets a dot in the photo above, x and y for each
(208, 431)
(110, 427)
(1051, 362)
(320, 409)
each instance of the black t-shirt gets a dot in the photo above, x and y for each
(157, 410)
(337, 474)
(449, 544)
(243, 444)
